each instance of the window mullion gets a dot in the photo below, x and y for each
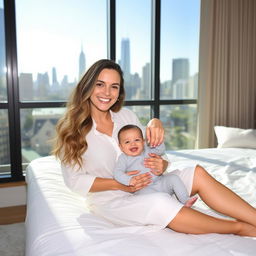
(111, 37)
(155, 55)
(12, 90)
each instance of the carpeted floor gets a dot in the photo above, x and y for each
(12, 240)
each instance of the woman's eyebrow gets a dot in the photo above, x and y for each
(116, 84)
(101, 81)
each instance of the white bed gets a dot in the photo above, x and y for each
(58, 222)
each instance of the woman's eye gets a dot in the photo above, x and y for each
(137, 140)
(115, 87)
(99, 84)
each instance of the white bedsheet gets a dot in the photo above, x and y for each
(58, 222)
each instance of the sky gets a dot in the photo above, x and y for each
(50, 33)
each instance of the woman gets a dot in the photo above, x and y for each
(87, 146)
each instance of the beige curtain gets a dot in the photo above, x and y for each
(227, 67)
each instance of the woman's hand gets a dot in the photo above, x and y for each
(156, 163)
(139, 181)
(154, 132)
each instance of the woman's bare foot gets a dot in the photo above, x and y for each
(191, 201)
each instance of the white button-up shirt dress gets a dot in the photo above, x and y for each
(119, 207)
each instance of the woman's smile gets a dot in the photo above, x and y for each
(104, 100)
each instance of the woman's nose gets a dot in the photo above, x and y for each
(107, 90)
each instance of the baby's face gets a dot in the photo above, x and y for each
(131, 142)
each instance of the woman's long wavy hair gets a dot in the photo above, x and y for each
(70, 142)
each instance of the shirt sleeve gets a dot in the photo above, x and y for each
(120, 171)
(77, 180)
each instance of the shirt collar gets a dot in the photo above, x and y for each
(114, 119)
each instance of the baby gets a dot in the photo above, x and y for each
(135, 150)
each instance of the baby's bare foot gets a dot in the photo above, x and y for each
(191, 201)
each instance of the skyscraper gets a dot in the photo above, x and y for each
(81, 63)
(180, 78)
(125, 58)
(146, 85)
(26, 86)
(55, 84)
(42, 85)
(180, 69)
(54, 76)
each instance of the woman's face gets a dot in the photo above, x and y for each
(106, 90)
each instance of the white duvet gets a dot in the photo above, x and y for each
(58, 222)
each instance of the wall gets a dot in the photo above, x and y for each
(12, 196)
(12, 202)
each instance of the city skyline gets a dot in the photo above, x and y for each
(51, 86)
(44, 37)
(124, 62)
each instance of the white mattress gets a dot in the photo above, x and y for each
(58, 222)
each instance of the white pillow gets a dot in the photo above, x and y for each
(229, 137)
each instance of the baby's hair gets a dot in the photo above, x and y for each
(128, 127)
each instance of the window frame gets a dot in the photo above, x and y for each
(14, 105)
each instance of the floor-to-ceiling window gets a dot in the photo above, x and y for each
(47, 45)
(179, 71)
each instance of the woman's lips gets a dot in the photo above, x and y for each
(104, 100)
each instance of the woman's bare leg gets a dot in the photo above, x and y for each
(191, 221)
(222, 199)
